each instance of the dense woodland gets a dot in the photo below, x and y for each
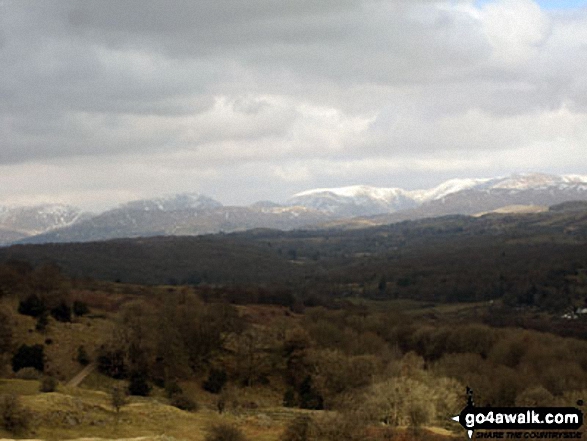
(534, 260)
(367, 331)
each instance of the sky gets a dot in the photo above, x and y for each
(102, 102)
(550, 4)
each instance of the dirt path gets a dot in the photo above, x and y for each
(81, 375)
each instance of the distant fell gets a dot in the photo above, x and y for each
(344, 207)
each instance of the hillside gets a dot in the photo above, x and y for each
(341, 370)
(213, 259)
(369, 334)
(86, 412)
(453, 258)
(137, 221)
(21, 222)
(349, 207)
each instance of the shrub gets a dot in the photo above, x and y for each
(82, 356)
(309, 396)
(62, 312)
(535, 396)
(6, 327)
(32, 305)
(419, 414)
(289, 398)
(48, 384)
(111, 363)
(403, 401)
(138, 384)
(172, 388)
(15, 418)
(216, 381)
(224, 432)
(184, 403)
(80, 308)
(42, 322)
(29, 356)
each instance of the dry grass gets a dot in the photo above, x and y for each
(73, 413)
(83, 414)
(67, 337)
(62, 340)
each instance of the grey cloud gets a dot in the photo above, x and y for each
(39, 137)
(373, 41)
(264, 81)
(184, 17)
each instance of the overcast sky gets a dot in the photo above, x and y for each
(104, 101)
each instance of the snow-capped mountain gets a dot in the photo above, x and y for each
(366, 201)
(185, 214)
(20, 222)
(448, 187)
(40, 217)
(193, 213)
(183, 201)
(358, 200)
(539, 181)
(363, 200)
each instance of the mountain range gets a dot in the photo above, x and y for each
(345, 207)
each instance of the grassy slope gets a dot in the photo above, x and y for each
(74, 413)
(79, 412)
(85, 411)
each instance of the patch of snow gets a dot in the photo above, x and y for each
(355, 191)
(446, 188)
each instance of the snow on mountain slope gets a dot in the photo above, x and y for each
(17, 223)
(142, 220)
(194, 213)
(365, 200)
(356, 191)
(537, 181)
(361, 200)
(446, 188)
(183, 201)
(357, 200)
(38, 219)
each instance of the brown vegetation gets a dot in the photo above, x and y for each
(344, 351)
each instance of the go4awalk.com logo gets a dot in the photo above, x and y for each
(521, 422)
